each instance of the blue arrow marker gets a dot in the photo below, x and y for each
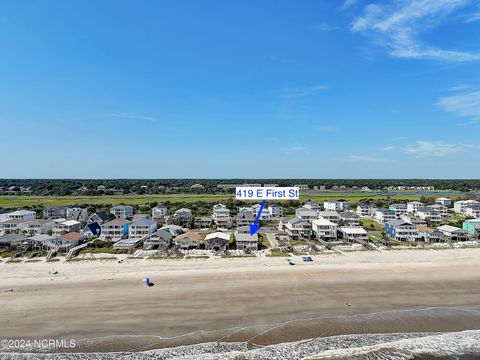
(255, 227)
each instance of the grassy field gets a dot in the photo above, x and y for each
(8, 200)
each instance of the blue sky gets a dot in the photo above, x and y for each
(250, 89)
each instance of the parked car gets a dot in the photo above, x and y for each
(307, 258)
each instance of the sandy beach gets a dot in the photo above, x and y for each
(259, 300)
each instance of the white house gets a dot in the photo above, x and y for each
(364, 210)
(414, 206)
(221, 216)
(472, 211)
(384, 215)
(276, 211)
(324, 229)
(141, 228)
(441, 209)
(306, 214)
(298, 229)
(23, 215)
(336, 205)
(429, 215)
(443, 201)
(313, 205)
(36, 227)
(122, 211)
(400, 230)
(400, 209)
(460, 206)
(264, 216)
(350, 218)
(352, 234)
(217, 241)
(454, 233)
(115, 230)
(64, 227)
(332, 216)
(159, 212)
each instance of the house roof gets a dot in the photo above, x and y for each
(353, 230)
(296, 220)
(328, 213)
(350, 214)
(383, 211)
(93, 227)
(116, 222)
(219, 235)
(11, 238)
(71, 222)
(72, 236)
(142, 222)
(122, 207)
(22, 212)
(245, 228)
(163, 234)
(450, 229)
(399, 222)
(323, 222)
(247, 237)
(103, 215)
(40, 237)
(189, 235)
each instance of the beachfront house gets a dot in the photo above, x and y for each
(244, 241)
(161, 239)
(453, 233)
(188, 240)
(324, 229)
(364, 210)
(298, 229)
(384, 215)
(10, 226)
(217, 241)
(472, 227)
(141, 228)
(430, 235)
(400, 230)
(352, 234)
(115, 230)
(122, 211)
(472, 211)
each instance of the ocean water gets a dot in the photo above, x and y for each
(463, 345)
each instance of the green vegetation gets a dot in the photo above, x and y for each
(371, 225)
(107, 200)
(13, 261)
(33, 261)
(230, 256)
(79, 259)
(53, 260)
(6, 254)
(165, 257)
(274, 252)
(204, 257)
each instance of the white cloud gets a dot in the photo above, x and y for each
(297, 148)
(289, 92)
(365, 158)
(326, 27)
(389, 148)
(128, 115)
(397, 25)
(325, 128)
(432, 148)
(466, 104)
(348, 3)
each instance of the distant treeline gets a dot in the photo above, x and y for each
(207, 186)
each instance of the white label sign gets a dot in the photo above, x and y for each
(267, 193)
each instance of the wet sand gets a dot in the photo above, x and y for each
(262, 301)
